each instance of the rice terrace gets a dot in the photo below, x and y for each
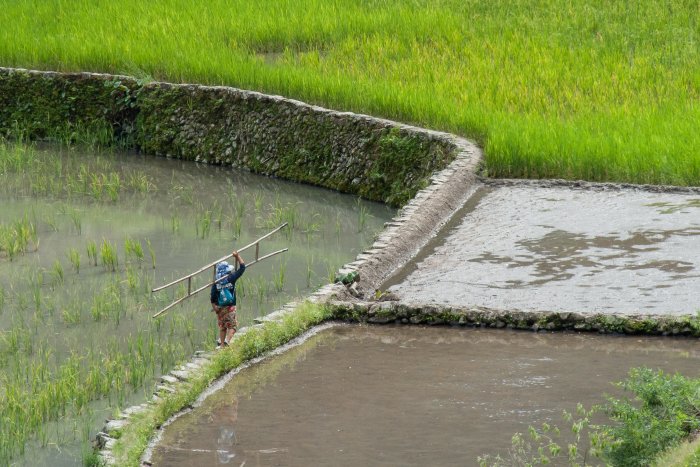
(459, 232)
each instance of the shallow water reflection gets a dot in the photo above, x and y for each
(357, 395)
(559, 249)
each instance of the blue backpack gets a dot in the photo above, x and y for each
(226, 297)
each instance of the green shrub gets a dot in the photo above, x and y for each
(664, 411)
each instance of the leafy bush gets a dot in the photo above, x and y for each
(664, 411)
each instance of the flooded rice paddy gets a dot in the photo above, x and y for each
(561, 249)
(394, 395)
(85, 236)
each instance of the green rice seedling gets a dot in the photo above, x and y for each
(151, 253)
(138, 252)
(331, 269)
(147, 281)
(57, 273)
(9, 244)
(241, 289)
(237, 226)
(112, 184)
(72, 185)
(362, 213)
(174, 223)
(116, 307)
(139, 182)
(257, 201)
(133, 248)
(71, 315)
(290, 214)
(77, 221)
(22, 302)
(312, 226)
(279, 278)
(239, 207)
(51, 222)
(107, 303)
(2, 298)
(83, 179)
(187, 195)
(216, 214)
(17, 158)
(97, 187)
(309, 270)
(262, 289)
(17, 237)
(89, 456)
(203, 225)
(92, 251)
(36, 281)
(187, 329)
(74, 257)
(108, 255)
(132, 279)
(279, 214)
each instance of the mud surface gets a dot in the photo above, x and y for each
(356, 395)
(564, 249)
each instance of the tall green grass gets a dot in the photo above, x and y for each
(552, 88)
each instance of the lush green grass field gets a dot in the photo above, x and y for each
(593, 89)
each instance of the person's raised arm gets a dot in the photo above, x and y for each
(236, 274)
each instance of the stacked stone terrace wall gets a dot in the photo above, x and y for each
(374, 158)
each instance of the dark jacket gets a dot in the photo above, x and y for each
(229, 282)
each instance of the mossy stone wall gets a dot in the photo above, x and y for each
(390, 312)
(374, 158)
(43, 104)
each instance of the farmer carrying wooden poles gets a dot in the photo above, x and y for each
(223, 298)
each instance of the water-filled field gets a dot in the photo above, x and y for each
(84, 237)
(628, 252)
(554, 88)
(358, 395)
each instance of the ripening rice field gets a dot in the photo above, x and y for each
(590, 89)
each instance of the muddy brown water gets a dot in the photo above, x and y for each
(561, 249)
(359, 395)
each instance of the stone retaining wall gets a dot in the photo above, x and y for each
(390, 312)
(377, 159)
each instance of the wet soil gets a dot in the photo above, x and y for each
(564, 249)
(358, 395)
